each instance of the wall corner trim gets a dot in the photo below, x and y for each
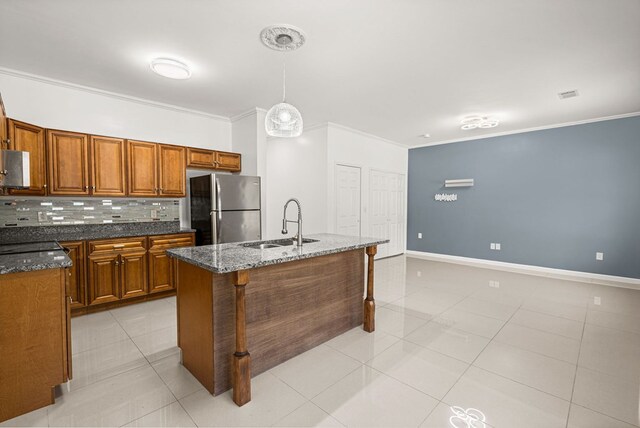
(115, 95)
(247, 113)
(569, 275)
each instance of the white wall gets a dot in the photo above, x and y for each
(297, 168)
(249, 137)
(52, 104)
(351, 147)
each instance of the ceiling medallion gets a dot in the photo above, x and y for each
(282, 37)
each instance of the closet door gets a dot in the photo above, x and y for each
(387, 211)
(347, 179)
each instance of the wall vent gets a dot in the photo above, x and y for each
(568, 94)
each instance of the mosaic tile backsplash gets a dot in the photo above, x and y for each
(16, 212)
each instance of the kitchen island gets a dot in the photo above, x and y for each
(244, 308)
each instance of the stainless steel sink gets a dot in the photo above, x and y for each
(260, 245)
(274, 243)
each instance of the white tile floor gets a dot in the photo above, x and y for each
(525, 352)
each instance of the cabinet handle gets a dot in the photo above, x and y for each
(44, 186)
(117, 263)
(118, 245)
(93, 187)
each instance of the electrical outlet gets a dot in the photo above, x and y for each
(599, 256)
(492, 246)
(494, 284)
(498, 246)
(419, 235)
(596, 300)
(42, 216)
(419, 273)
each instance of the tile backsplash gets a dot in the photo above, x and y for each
(15, 212)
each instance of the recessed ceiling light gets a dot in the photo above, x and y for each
(171, 68)
(482, 122)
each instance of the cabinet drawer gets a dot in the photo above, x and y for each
(168, 241)
(110, 245)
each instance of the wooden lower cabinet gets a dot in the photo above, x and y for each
(76, 274)
(162, 272)
(133, 274)
(34, 340)
(103, 280)
(121, 269)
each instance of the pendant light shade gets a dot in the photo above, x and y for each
(283, 120)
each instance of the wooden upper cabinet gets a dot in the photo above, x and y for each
(228, 161)
(68, 163)
(108, 166)
(172, 171)
(142, 168)
(200, 158)
(30, 138)
(210, 159)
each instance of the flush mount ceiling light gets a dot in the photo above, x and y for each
(171, 68)
(283, 119)
(482, 122)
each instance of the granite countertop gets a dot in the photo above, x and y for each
(85, 232)
(27, 262)
(223, 258)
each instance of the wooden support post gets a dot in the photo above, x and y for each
(369, 324)
(241, 358)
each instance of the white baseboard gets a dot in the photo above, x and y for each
(571, 275)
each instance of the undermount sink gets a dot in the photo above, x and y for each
(274, 243)
(261, 245)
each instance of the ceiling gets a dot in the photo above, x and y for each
(393, 68)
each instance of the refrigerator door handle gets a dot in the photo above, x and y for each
(219, 216)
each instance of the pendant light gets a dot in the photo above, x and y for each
(283, 119)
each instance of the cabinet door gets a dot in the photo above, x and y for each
(104, 277)
(228, 161)
(133, 271)
(108, 166)
(30, 138)
(68, 163)
(172, 172)
(4, 131)
(76, 273)
(159, 271)
(142, 168)
(200, 158)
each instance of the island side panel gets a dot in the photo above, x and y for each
(290, 308)
(195, 322)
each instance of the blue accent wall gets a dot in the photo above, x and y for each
(551, 198)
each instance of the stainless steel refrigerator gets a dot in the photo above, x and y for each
(225, 208)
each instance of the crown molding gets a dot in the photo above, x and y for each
(522, 131)
(114, 95)
(251, 111)
(365, 134)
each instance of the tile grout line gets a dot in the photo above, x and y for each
(575, 374)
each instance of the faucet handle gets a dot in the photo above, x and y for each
(284, 226)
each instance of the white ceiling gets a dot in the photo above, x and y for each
(392, 68)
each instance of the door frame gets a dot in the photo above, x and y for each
(335, 193)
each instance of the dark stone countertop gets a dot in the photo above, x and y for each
(223, 258)
(12, 263)
(12, 235)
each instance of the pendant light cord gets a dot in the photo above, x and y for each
(284, 81)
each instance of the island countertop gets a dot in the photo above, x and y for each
(224, 258)
(12, 263)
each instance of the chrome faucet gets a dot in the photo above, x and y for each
(298, 237)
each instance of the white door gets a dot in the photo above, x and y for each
(386, 211)
(347, 200)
